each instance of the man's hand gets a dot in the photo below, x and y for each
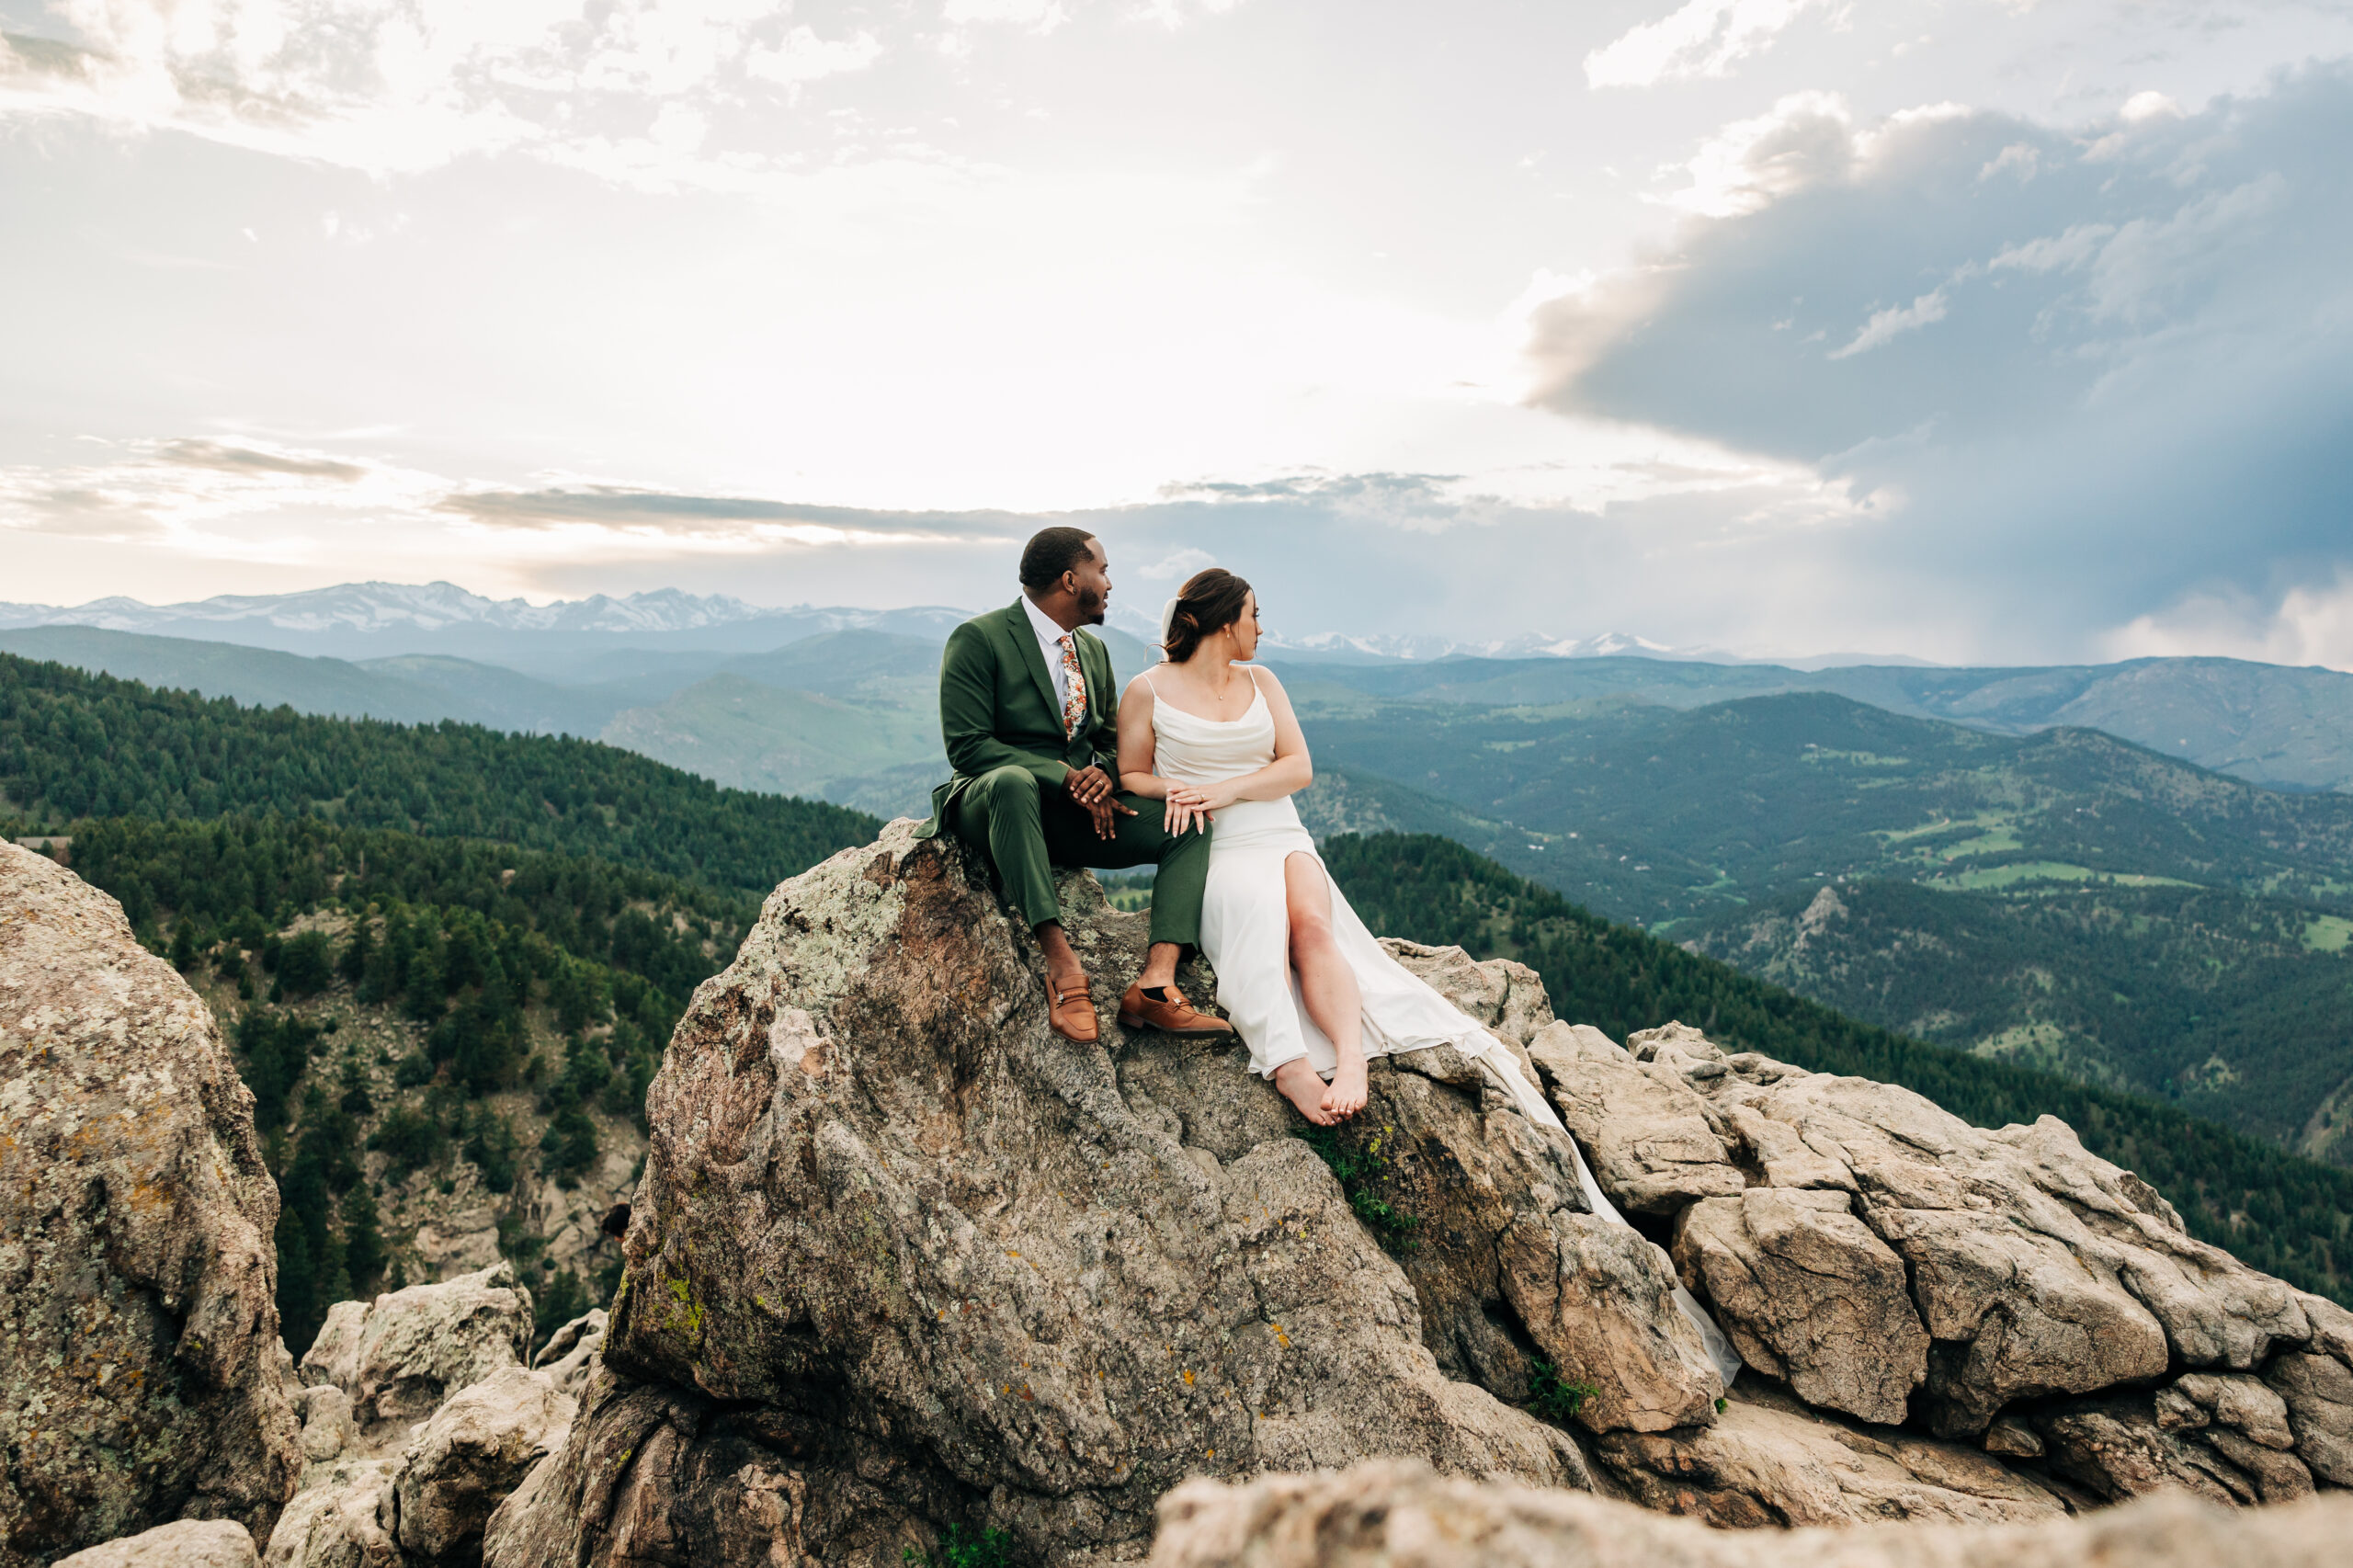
(1087, 785)
(1090, 788)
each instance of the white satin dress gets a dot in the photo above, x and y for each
(1245, 936)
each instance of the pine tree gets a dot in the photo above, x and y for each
(358, 948)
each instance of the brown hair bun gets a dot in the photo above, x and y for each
(1208, 603)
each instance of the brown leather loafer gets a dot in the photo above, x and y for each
(1071, 1013)
(1176, 1015)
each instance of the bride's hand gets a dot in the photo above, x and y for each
(1185, 810)
(1214, 798)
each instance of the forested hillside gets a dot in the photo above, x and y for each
(82, 746)
(2234, 1007)
(447, 960)
(432, 1028)
(1665, 816)
(2280, 1213)
(2066, 900)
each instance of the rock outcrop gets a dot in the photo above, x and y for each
(424, 1507)
(139, 1352)
(1402, 1515)
(573, 1353)
(464, 1461)
(185, 1543)
(905, 1263)
(1885, 1259)
(400, 1355)
(905, 1255)
(336, 1521)
(393, 1489)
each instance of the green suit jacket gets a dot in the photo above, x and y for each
(997, 707)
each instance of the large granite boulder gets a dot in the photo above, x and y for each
(138, 1349)
(1652, 1143)
(424, 1507)
(1886, 1260)
(185, 1543)
(903, 1259)
(339, 1520)
(1772, 1462)
(465, 1460)
(401, 1354)
(1391, 1515)
(1802, 1284)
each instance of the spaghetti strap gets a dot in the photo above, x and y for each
(1145, 676)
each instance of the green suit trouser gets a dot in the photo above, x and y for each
(1028, 830)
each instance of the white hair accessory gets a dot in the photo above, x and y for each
(1168, 622)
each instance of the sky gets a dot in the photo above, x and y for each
(1978, 331)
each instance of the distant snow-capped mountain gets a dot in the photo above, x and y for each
(1412, 646)
(359, 620)
(375, 607)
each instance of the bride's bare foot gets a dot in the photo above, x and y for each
(1300, 1085)
(1347, 1093)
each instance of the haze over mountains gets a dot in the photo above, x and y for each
(423, 652)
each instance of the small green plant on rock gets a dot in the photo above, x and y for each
(961, 1548)
(1363, 1172)
(1552, 1399)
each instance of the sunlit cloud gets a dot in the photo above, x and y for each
(1704, 38)
(2308, 624)
(2106, 386)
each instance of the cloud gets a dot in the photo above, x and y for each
(1805, 140)
(1182, 564)
(1885, 326)
(1334, 552)
(1046, 15)
(1705, 37)
(2112, 382)
(1038, 15)
(207, 497)
(256, 460)
(2308, 624)
(625, 510)
(402, 88)
(802, 56)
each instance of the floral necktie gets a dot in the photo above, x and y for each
(1073, 704)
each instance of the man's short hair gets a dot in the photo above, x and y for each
(1050, 553)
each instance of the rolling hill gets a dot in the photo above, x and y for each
(1665, 814)
(2287, 728)
(82, 746)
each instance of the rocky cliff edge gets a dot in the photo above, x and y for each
(905, 1267)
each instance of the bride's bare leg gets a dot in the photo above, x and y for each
(1325, 983)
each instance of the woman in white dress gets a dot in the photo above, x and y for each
(1309, 990)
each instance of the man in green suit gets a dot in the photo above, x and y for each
(1030, 718)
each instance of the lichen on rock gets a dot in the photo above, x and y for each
(138, 1348)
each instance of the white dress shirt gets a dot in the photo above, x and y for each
(1049, 643)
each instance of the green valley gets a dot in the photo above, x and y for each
(2063, 898)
